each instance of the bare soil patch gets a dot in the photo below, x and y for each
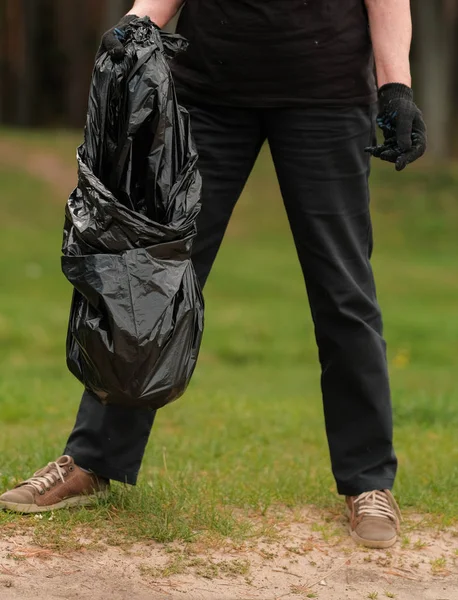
(308, 558)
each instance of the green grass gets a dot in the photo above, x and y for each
(249, 434)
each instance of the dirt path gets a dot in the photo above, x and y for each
(301, 563)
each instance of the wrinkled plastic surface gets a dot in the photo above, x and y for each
(136, 319)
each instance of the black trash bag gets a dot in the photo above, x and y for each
(136, 319)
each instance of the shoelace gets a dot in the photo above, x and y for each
(44, 482)
(374, 504)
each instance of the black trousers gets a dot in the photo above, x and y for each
(323, 174)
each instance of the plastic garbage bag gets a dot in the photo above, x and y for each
(136, 318)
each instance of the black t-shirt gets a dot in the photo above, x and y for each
(276, 52)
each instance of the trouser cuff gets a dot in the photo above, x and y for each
(346, 489)
(102, 469)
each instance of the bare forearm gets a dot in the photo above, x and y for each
(391, 32)
(159, 11)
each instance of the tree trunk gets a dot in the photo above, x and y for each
(114, 10)
(72, 40)
(435, 29)
(13, 51)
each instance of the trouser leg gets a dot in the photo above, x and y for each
(109, 440)
(323, 174)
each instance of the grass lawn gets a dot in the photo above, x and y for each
(248, 437)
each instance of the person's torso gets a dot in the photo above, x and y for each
(272, 51)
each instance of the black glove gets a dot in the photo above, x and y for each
(112, 40)
(401, 121)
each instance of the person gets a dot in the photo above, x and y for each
(300, 75)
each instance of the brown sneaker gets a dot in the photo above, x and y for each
(374, 518)
(58, 485)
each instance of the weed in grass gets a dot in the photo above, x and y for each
(405, 542)
(196, 561)
(267, 555)
(385, 559)
(235, 567)
(56, 537)
(17, 557)
(174, 566)
(420, 545)
(329, 532)
(232, 568)
(438, 565)
(208, 570)
(390, 594)
(300, 550)
(203, 567)
(373, 595)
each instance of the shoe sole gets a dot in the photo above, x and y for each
(74, 501)
(376, 544)
(373, 543)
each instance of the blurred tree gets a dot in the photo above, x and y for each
(114, 10)
(47, 52)
(79, 25)
(436, 29)
(18, 40)
(72, 34)
(27, 75)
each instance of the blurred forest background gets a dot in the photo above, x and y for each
(47, 50)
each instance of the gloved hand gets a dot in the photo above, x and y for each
(401, 121)
(112, 40)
